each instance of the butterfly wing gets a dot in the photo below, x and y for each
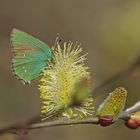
(30, 55)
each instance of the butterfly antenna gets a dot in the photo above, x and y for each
(57, 41)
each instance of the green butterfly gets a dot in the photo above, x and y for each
(30, 55)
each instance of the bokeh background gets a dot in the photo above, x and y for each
(109, 31)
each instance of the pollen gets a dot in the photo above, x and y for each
(58, 83)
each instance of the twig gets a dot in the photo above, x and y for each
(108, 81)
(135, 63)
(63, 122)
(18, 129)
(129, 111)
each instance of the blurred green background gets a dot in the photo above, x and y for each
(109, 31)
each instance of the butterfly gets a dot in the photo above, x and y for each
(30, 55)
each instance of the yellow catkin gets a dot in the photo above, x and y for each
(113, 104)
(57, 83)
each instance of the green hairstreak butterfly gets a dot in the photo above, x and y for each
(30, 55)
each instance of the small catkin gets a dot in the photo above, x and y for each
(113, 104)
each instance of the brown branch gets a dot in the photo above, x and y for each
(130, 68)
(23, 129)
(20, 129)
(63, 122)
